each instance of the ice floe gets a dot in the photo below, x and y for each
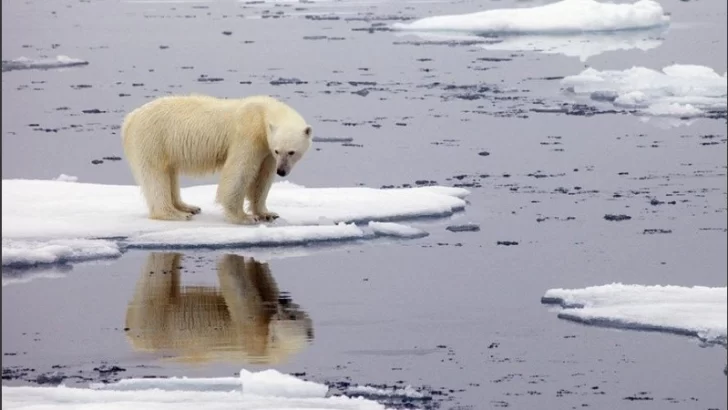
(677, 90)
(562, 17)
(396, 230)
(18, 253)
(268, 389)
(694, 311)
(24, 63)
(57, 221)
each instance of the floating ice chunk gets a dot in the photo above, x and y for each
(396, 230)
(677, 90)
(25, 253)
(66, 178)
(235, 236)
(273, 383)
(24, 63)
(269, 383)
(268, 389)
(220, 384)
(35, 213)
(696, 311)
(562, 17)
(673, 110)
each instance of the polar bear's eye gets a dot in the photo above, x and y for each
(276, 152)
(291, 152)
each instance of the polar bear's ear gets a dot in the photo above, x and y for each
(308, 131)
(271, 128)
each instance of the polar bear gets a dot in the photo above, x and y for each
(246, 318)
(248, 140)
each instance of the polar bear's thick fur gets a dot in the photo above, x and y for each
(248, 140)
(246, 318)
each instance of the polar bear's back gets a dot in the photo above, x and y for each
(191, 133)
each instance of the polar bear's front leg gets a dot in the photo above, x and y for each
(235, 180)
(258, 193)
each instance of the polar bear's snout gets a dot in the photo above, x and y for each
(281, 172)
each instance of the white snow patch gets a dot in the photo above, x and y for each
(24, 63)
(267, 389)
(396, 230)
(562, 17)
(696, 311)
(261, 235)
(370, 391)
(21, 253)
(677, 90)
(66, 178)
(42, 221)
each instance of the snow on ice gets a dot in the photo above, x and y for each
(268, 389)
(562, 17)
(694, 311)
(57, 221)
(396, 230)
(678, 90)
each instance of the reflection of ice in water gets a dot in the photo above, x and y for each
(247, 318)
(583, 46)
(24, 63)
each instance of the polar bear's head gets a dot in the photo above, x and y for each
(288, 144)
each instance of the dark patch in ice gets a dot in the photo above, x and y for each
(617, 218)
(54, 378)
(332, 139)
(464, 228)
(656, 231)
(287, 81)
(507, 243)
(641, 396)
(205, 79)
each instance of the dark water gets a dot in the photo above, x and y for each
(453, 311)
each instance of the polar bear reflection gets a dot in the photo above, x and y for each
(245, 319)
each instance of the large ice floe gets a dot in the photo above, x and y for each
(677, 90)
(24, 63)
(45, 222)
(693, 311)
(574, 28)
(267, 389)
(561, 17)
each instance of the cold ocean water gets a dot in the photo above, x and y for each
(456, 314)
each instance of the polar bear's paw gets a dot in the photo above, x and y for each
(171, 216)
(266, 216)
(194, 210)
(243, 219)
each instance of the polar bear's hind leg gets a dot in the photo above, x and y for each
(177, 198)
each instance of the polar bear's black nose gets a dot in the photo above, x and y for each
(281, 172)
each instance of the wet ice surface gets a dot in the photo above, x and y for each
(559, 17)
(43, 220)
(693, 311)
(454, 314)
